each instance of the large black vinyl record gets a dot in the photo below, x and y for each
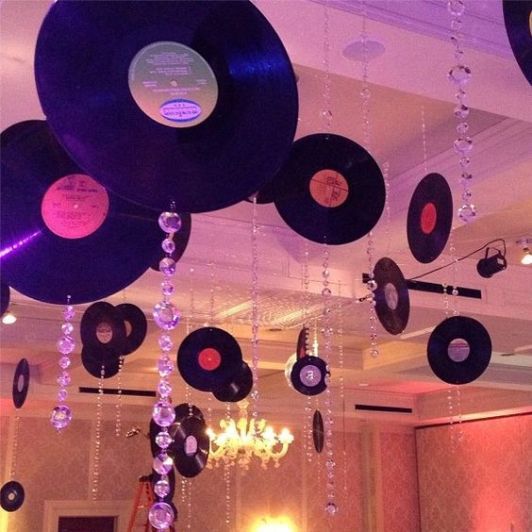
(190, 101)
(239, 387)
(392, 303)
(136, 326)
(62, 233)
(430, 216)
(333, 189)
(191, 446)
(459, 350)
(21, 383)
(12, 496)
(102, 327)
(518, 21)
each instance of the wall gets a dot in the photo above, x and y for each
(482, 483)
(57, 466)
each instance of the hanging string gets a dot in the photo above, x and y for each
(118, 405)
(227, 479)
(254, 313)
(98, 436)
(16, 430)
(61, 415)
(424, 139)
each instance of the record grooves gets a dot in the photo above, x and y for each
(205, 91)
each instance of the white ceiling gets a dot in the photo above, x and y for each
(407, 82)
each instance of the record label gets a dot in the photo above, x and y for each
(173, 84)
(329, 188)
(458, 350)
(191, 445)
(75, 206)
(209, 359)
(428, 218)
(310, 375)
(104, 332)
(391, 296)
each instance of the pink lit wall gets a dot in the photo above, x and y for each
(482, 483)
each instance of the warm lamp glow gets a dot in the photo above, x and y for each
(241, 440)
(9, 318)
(527, 257)
(274, 524)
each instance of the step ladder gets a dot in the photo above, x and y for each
(141, 505)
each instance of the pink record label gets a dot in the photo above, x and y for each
(310, 375)
(329, 188)
(75, 206)
(191, 445)
(391, 296)
(104, 332)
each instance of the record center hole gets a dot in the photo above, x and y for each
(310, 375)
(391, 296)
(209, 359)
(20, 383)
(104, 332)
(191, 445)
(458, 350)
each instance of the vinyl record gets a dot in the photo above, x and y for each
(93, 359)
(182, 411)
(392, 303)
(518, 22)
(192, 101)
(155, 477)
(21, 383)
(318, 432)
(12, 496)
(209, 358)
(309, 375)
(102, 328)
(335, 189)
(62, 233)
(5, 293)
(302, 343)
(239, 388)
(191, 446)
(430, 216)
(180, 239)
(136, 326)
(459, 350)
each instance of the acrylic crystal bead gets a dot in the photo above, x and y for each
(168, 245)
(62, 394)
(163, 414)
(165, 342)
(331, 508)
(162, 488)
(463, 145)
(163, 464)
(66, 345)
(467, 212)
(461, 111)
(64, 362)
(165, 366)
(163, 440)
(69, 312)
(67, 328)
(161, 515)
(167, 287)
(164, 388)
(63, 379)
(166, 315)
(456, 7)
(167, 266)
(61, 417)
(460, 74)
(170, 222)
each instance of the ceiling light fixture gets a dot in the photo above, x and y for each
(9, 318)
(489, 266)
(241, 440)
(525, 244)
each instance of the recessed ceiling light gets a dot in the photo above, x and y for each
(355, 50)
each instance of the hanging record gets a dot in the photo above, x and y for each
(62, 233)
(180, 240)
(102, 327)
(21, 383)
(209, 358)
(318, 432)
(5, 293)
(191, 446)
(334, 189)
(93, 358)
(136, 326)
(430, 216)
(12, 496)
(239, 387)
(392, 303)
(193, 102)
(518, 22)
(459, 350)
(309, 375)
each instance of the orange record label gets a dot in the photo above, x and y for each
(104, 332)
(428, 218)
(329, 188)
(75, 206)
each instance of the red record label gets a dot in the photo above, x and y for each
(329, 188)
(75, 206)
(209, 359)
(428, 218)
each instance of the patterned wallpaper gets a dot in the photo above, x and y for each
(53, 466)
(481, 484)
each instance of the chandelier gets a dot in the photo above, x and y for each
(241, 440)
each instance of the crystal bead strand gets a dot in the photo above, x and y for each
(118, 405)
(254, 313)
(16, 430)
(331, 508)
(460, 75)
(227, 479)
(98, 436)
(61, 415)
(167, 317)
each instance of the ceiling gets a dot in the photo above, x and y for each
(409, 94)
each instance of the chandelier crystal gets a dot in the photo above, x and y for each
(242, 439)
